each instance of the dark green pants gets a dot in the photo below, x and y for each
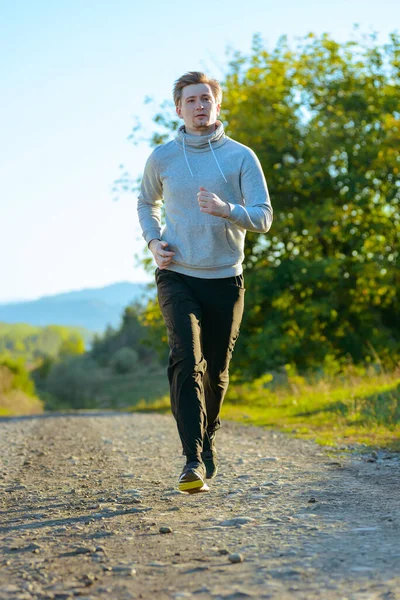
(203, 318)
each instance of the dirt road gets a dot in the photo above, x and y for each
(84, 496)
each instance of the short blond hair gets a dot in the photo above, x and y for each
(193, 77)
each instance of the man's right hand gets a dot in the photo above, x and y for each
(162, 256)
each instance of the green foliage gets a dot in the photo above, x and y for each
(360, 405)
(20, 340)
(72, 346)
(131, 334)
(323, 282)
(152, 320)
(124, 360)
(17, 390)
(324, 120)
(111, 374)
(17, 378)
(72, 383)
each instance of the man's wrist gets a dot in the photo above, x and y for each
(151, 241)
(227, 210)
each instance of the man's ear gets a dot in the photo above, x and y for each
(178, 110)
(218, 109)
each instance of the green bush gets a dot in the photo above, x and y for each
(73, 383)
(17, 390)
(14, 375)
(124, 360)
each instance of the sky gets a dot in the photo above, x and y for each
(74, 78)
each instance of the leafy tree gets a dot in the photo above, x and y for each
(72, 346)
(131, 334)
(34, 344)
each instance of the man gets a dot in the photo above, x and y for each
(214, 190)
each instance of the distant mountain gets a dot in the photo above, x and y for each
(92, 309)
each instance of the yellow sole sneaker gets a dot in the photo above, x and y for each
(192, 479)
(189, 488)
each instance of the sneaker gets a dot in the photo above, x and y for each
(210, 461)
(193, 478)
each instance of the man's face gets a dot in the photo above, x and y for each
(198, 109)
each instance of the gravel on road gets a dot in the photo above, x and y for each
(89, 509)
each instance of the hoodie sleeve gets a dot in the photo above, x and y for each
(256, 214)
(150, 200)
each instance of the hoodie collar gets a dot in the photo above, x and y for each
(201, 143)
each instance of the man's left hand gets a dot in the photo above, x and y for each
(211, 204)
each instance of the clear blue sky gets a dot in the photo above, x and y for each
(74, 74)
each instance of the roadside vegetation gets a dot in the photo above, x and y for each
(33, 343)
(355, 407)
(17, 390)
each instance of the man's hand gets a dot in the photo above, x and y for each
(211, 204)
(162, 256)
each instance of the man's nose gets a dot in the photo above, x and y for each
(200, 104)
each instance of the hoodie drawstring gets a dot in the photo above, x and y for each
(215, 158)
(213, 153)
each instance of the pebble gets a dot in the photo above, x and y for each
(84, 550)
(124, 570)
(240, 595)
(269, 459)
(88, 578)
(285, 573)
(203, 590)
(258, 496)
(15, 488)
(9, 589)
(235, 558)
(165, 530)
(130, 500)
(237, 521)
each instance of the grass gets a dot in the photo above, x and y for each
(161, 405)
(361, 409)
(352, 408)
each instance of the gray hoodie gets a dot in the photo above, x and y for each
(205, 246)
